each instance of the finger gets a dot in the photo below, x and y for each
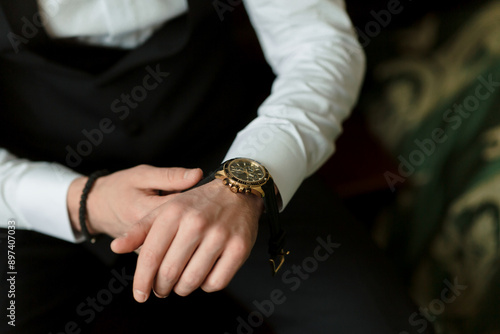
(199, 266)
(168, 179)
(135, 236)
(152, 254)
(230, 261)
(176, 259)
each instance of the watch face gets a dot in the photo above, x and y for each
(247, 172)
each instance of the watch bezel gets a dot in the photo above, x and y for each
(234, 178)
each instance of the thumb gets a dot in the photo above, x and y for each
(171, 179)
(190, 177)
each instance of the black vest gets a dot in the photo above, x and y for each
(177, 100)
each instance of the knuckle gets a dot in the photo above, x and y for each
(143, 166)
(214, 284)
(240, 247)
(136, 215)
(220, 232)
(181, 291)
(141, 226)
(136, 173)
(166, 174)
(168, 274)
(197, 222)
(141, 169)
(172, 174)
(191, 280)
(187, 284)
(148, 257)
(176, 208)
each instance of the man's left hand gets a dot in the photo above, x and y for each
(200, 238)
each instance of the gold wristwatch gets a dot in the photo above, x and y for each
(248, 176)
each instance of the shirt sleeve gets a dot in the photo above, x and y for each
(110, 23)
(314, 52)
(34, 195)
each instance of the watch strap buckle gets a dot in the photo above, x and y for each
(277, 261)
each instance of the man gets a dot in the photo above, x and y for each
(103, 84)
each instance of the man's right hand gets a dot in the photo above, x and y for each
(121, 199)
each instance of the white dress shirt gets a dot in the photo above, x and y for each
(310, 45)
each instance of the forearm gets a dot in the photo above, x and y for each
(319, 63)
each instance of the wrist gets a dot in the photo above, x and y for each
(254, 202)
(73, 201)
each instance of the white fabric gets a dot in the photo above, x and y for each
(311, 46)
(114, 23)
(34, 195)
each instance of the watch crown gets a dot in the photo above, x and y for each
(225, 181)
(234, 188)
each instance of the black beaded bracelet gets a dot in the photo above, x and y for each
(83, 203)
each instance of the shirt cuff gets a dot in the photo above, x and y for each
(41, 197)
(276, 150)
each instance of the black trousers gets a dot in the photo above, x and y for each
(334, 281)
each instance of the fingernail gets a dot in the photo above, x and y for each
(190, 174)
(140, 296)
(120, 237)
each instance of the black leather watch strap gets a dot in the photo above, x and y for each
(206, 179)
(277, 233)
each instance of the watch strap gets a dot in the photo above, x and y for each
(206, 179)
(277, 233)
